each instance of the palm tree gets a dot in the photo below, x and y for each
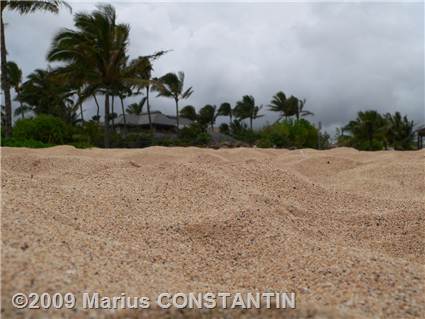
(189, 112)
(14, 76)
(136, 108)
(400, 131)
(22, 109)
(140, 75)
(225, 109)
(171, 85)
(22, 7)
(207, 115)
(300, 109)
(287, 106)
(46, 94)
(246, 108)
(99, 45)
(278, 104)
(368, 130)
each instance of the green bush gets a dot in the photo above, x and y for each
(264, 143)
(202, 139)
(165, 141)
(298, 134)
(142, 139)
(13, 142)
(193, 135)
(374, 145)
(224, 128)
(43, 128)
(246, 135)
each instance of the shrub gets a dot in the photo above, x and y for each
(13, 142)
(193, 135)
(224, 128)
(299, 134)
(143, 139)
(43, 128)
(374, 145)
(264, 143)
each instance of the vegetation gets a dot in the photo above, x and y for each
(372, 131)
(171, 85)
(287, 107)
(290, 134)
(43, 128)
(94, 61)
(207, 116)
(246, 109)
(22, 7)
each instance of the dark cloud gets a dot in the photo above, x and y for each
(340, 57)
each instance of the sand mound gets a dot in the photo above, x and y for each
(343, 229)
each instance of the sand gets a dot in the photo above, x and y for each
(343, 229)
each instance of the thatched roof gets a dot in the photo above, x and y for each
(420, 130)
(157, 117)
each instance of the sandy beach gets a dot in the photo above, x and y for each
(343, 229)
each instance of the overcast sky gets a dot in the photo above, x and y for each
(341, 57)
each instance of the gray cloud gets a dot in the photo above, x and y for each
(341, 57)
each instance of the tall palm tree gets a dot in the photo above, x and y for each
(14, 76)
(99, 44)
(283, 105)
(139, 74)
(300, 109)
(225, 109)
(48, 95)
(74, 76)
(22, 7)
(400, 131)
(207, 115)
(189, 112)
(368, 128)
(171, 85)
(22, 109)
(246, 108)
(136, 108)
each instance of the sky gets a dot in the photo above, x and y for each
(340, 57)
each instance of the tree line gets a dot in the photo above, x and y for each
(374, 131)
(94, 61)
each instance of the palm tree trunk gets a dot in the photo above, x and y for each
(98, 109)
(230, 116)
(250, 122)
(177, 113)
(123, 116)
(106, 137)
(23, 112)
(4, 79)
(113, 112)
(148, 108)
(81, 108)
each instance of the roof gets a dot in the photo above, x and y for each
(157, 117)
(421, 130)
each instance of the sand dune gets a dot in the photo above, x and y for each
(343, 229)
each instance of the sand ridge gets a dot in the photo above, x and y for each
(343, 229)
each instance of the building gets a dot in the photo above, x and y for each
(160, 122)
(420, 133)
